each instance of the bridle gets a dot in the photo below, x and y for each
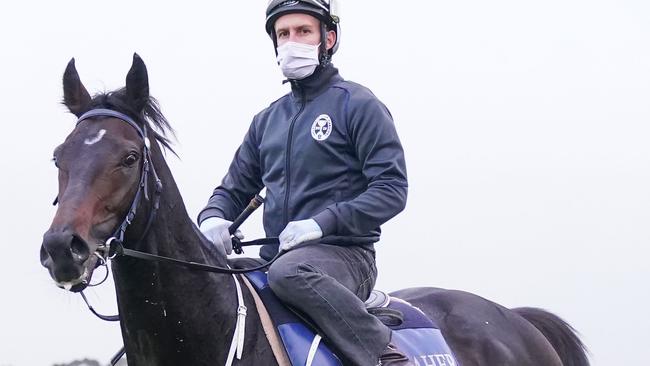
(113, 247)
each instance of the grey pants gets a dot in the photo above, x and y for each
(329, 283)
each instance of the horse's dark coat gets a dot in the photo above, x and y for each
(174, 316)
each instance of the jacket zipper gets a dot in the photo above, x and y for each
(288, 157)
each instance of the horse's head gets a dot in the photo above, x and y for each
(100, 167)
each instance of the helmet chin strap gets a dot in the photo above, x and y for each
(324, 56)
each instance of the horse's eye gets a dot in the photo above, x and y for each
(130, 159)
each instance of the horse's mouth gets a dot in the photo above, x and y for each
(76, 285)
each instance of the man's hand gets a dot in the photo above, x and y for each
(298, 232)
(215, 229)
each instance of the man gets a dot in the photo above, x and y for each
(334, 171)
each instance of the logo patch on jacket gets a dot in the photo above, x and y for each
(321, 128)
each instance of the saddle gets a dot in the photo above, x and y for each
(413, 332)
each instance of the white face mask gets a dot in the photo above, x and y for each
(298, 60)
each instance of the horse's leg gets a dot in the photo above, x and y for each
(480, 332)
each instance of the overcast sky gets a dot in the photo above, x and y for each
(526, 127)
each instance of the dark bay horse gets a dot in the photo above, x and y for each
(174, 316)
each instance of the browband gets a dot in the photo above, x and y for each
(101, 112)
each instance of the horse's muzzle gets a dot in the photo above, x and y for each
(64, 254)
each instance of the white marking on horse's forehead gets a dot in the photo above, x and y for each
(97, 138)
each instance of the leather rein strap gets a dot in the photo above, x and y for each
(121, 251)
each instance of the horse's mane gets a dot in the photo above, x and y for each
(150, 116)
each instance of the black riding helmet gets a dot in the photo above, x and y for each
(323, 10)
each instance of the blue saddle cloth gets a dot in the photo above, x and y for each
(417, 336)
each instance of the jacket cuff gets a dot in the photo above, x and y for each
(327, 222)
(208, 213)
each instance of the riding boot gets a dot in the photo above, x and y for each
(393, 357)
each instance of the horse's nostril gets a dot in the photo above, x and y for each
(79, 249)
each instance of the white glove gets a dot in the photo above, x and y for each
(298, 232)
(215, 229)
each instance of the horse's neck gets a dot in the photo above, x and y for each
(166, 309)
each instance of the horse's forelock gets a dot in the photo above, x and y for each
(150, 116)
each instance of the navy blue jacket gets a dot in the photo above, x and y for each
(328, 150)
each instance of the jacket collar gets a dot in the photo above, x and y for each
(315, 84)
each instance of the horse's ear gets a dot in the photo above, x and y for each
(137, 84)
(75, 95)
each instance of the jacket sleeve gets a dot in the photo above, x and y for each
(380, 153)
(240, 184)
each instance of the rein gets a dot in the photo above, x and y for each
(118, 250)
